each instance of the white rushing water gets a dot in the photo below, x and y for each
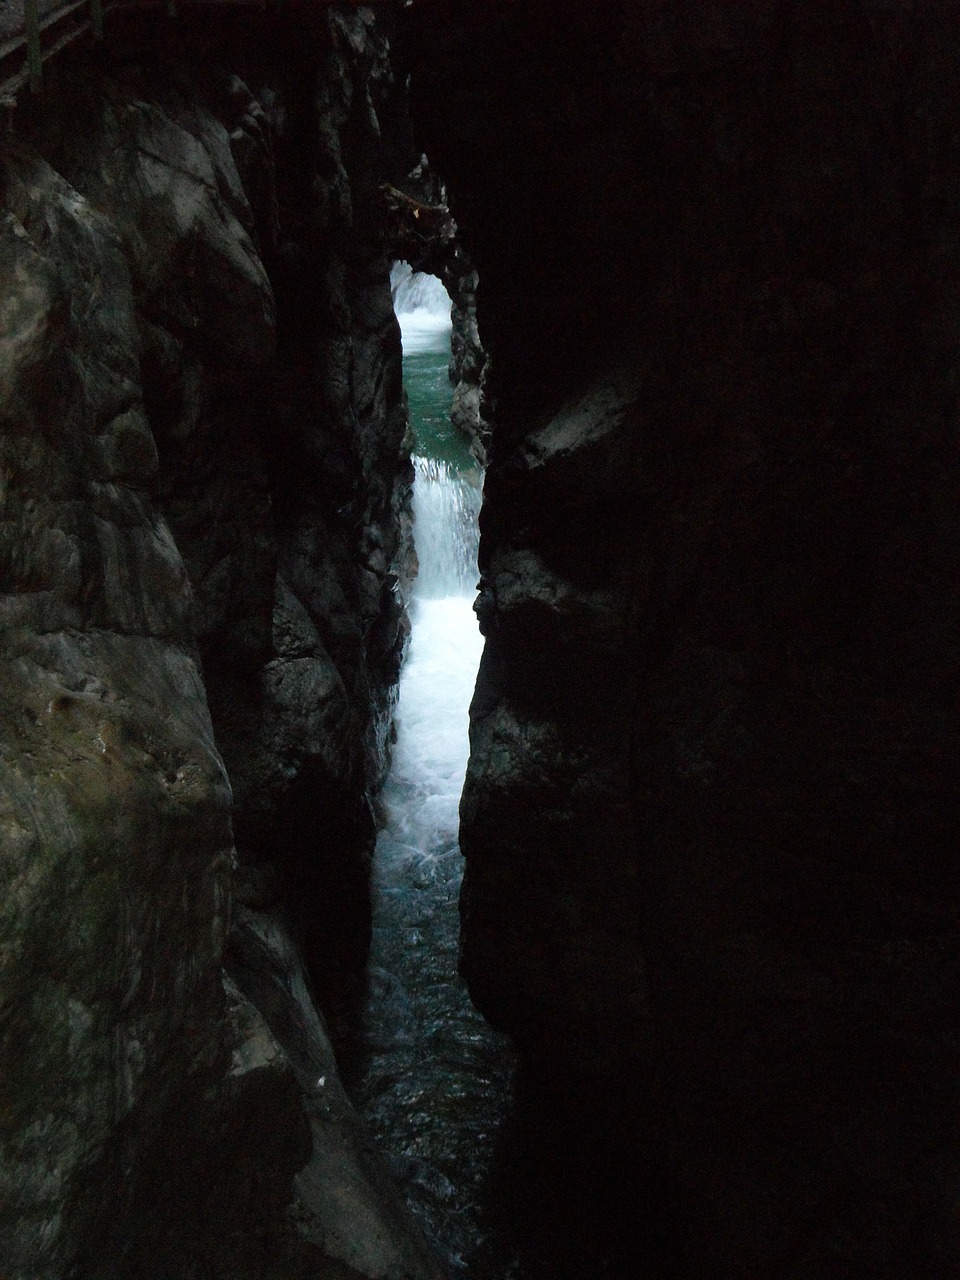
(422, 305)
(423, 791)
(430, 1077)
(446, 508)
(422, 794)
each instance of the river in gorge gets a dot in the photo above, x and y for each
(487, 1164)
(429, 1076)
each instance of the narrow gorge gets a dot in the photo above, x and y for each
(708, 933)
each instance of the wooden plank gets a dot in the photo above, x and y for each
(31, 18)
(53, 25)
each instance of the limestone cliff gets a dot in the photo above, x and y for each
(204, 545)
(711, 814)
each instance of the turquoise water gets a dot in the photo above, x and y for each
(423, 308)
(429, 393)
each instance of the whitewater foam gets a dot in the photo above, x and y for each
(422, 307)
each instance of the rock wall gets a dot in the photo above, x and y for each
(205, 555)
(711, 812)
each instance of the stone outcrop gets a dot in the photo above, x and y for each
(116, 823)
(711, 814)
(346, 1205)
(205, 556)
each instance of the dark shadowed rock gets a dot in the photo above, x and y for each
(711, 811)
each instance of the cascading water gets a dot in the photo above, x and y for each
(445, 508)
(422, 305)
(430, 1077)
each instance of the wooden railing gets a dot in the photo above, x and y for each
(33, 31)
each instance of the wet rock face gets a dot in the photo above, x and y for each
(711, 809)
(116, 808)
(204, 550)
(270, 371)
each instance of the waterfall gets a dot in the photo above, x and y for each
(446, 495)
(445, 508)
(430, 1077)
(422, 306)
(431, 750)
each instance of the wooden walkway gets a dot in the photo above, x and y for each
(55, 24)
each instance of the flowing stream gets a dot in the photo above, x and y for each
(430, 1077)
